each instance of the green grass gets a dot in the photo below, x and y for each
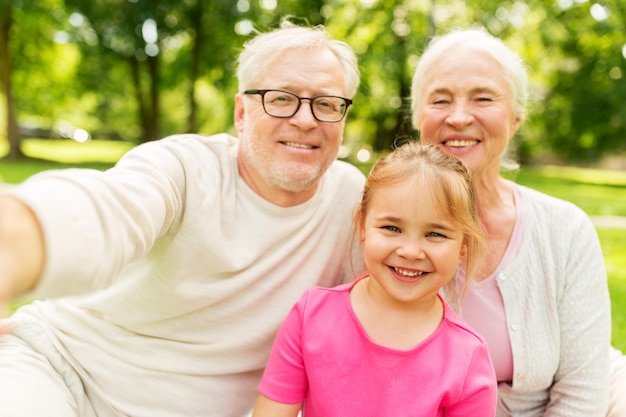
(69, 151)
(598, 192)
(13, 172)
(62, 153)
(614, 249)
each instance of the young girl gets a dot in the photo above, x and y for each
(387, 344)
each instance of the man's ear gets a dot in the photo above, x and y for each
(239, 112)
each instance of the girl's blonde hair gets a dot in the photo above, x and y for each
(447, 181)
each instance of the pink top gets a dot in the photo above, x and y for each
(483, 300)
(323, 356)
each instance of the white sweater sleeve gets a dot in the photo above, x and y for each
(95, 222)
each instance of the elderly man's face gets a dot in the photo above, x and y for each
(282, 159)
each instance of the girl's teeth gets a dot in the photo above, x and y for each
(407, 273)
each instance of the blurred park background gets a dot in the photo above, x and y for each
(83, 81)
(137, 70)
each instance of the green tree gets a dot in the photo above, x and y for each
(33, 77)
(206, 64)
(131, 31)
(585, 115)
(144, 68)
(6, 60)
(188, 60)
(384, 34)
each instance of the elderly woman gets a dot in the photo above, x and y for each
(541, 298)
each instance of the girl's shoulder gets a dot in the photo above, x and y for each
(460, 327)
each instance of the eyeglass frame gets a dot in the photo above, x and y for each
(262, 93)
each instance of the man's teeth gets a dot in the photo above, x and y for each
(461, 143)
(298, 145)
(408, 273)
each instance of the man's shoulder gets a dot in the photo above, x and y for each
(186, 139)
(344, 182)
(341, 170)
(189, 148)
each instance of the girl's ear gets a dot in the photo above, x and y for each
(358, 221)
(463, 251)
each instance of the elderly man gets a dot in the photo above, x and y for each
(165, 278)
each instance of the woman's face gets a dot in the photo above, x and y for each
(467, 109)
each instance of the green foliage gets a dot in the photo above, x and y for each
(42, 70)
(584, 110)
(86, 62)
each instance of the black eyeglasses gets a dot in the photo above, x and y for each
(280, 103)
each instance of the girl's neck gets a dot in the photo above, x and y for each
(395, 325)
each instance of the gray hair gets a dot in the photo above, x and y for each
(479, 39)
(260, 52)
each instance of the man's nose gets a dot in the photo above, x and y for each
(304, 116)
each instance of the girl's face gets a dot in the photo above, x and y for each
(467, 109)
(410, 249)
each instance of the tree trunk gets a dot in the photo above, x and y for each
(147, 104)
(141, 106)
(196, 22)
(13, 133)
(152, 123)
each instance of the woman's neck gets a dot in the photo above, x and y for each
(496, 207)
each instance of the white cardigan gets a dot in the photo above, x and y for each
(558, 313)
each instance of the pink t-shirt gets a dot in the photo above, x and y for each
(323, 356)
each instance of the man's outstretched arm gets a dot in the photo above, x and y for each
(21, 248)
